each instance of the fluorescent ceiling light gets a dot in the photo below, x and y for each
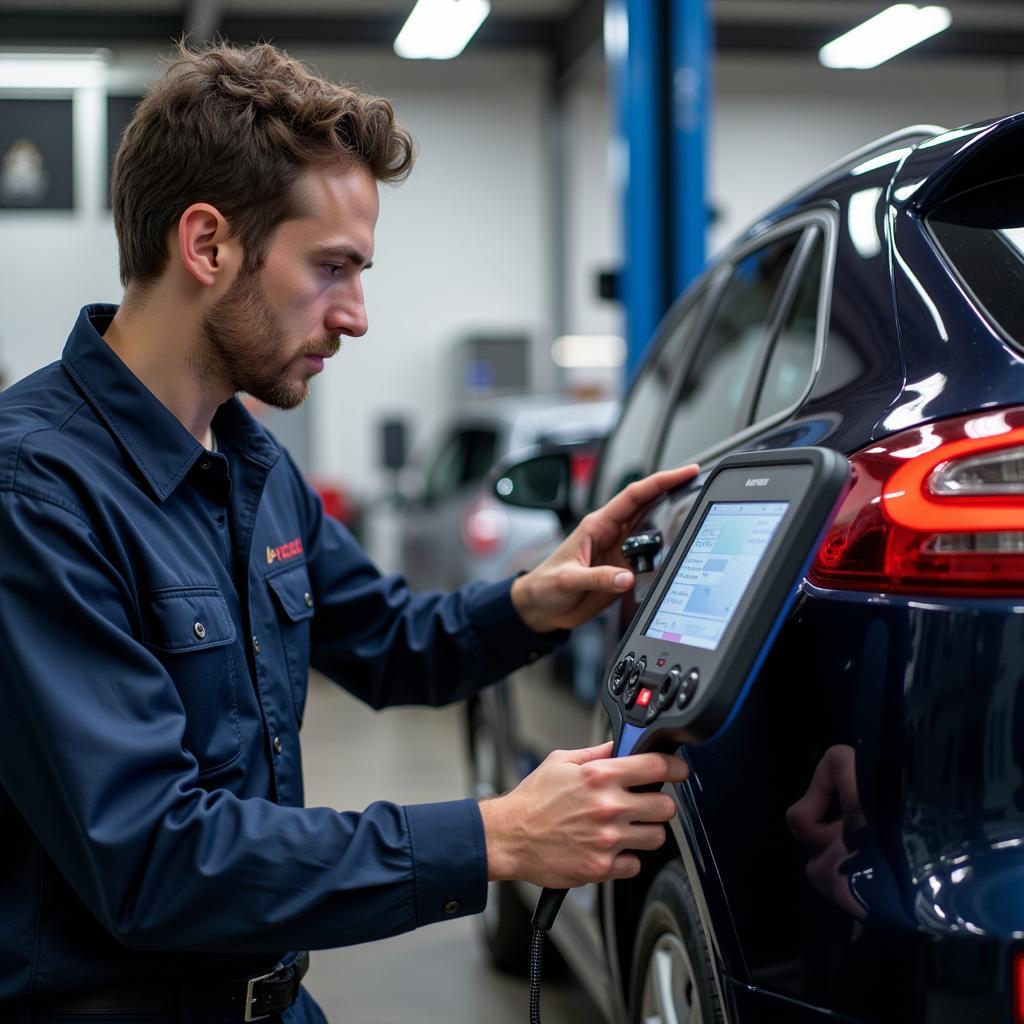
(440, 29)
(886, 34)
(589, 351)
(34, 70)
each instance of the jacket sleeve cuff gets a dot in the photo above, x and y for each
(503, 633)
(449, 859)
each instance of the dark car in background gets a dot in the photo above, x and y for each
(851, 846)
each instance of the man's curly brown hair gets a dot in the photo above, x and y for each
(234, 127)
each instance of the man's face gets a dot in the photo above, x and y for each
(272, 330)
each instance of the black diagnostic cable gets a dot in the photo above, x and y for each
(543, 918)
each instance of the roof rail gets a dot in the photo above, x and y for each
(914, 130)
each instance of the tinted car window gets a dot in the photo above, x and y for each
(628, 450)
(982, 234)
(707, 407)
(792, 357)
(464, 459)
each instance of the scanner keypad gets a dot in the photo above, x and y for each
(688, 687)
(620, 674)
(632, 690)
(645, 700)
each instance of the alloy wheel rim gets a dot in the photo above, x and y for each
(670, 988)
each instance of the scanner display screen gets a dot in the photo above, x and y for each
(715, 571)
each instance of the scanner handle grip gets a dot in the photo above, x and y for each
(548, 905)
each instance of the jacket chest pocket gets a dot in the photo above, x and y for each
(293, 599)
(190, 630)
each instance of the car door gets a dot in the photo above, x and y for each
(553, 701)
(716, 413)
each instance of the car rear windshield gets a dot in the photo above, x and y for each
(981, 232)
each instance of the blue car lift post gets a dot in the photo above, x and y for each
(658, 54)
(659, 63)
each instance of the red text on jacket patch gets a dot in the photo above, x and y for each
(284, 551)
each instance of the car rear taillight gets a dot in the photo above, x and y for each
(484, 527)
(936, 509)
(1018, 987)
(581, 468)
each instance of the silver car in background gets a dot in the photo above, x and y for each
(452, 530)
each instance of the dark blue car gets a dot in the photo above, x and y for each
(851, 848)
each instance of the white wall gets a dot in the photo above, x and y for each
(466, 243)
(463, 245)
(593, 225)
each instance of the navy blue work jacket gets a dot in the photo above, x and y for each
(161, 605)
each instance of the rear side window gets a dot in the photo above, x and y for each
(629, 449)
(791, 361)
(981, 232)
(707, 408)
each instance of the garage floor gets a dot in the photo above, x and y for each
(353, 755)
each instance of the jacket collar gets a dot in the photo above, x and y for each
(156, 441)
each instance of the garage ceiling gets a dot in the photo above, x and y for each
(981, 28)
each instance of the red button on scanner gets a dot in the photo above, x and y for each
(661, 662)
(644, 697)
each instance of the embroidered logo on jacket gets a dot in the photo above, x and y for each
(284, 551)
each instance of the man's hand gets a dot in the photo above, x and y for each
(574, 818)
(586, 572)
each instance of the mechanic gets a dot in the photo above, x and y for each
(170, 577)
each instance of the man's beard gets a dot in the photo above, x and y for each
(241, 344)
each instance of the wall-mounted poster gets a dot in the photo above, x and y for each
(36, 167)
(119, 113)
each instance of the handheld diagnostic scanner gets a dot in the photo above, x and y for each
(720, 596)
(723, 590)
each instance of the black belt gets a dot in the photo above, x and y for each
(250, 999)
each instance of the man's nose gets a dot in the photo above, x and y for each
(348, 317)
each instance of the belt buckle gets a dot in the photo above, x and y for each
(250, 997)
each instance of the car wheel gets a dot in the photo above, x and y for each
(505, 922)
(672, 980)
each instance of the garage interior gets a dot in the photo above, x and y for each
(564, 196)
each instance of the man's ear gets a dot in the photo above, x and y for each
(207, 249)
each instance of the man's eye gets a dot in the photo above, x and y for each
(333, 269)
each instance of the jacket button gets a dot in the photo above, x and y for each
(308, 598)
(452, 907)
(256, 644)
(200, 630)
(278, 745)
(205, 464)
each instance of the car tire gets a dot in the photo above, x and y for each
(505, 921)
(672, 978)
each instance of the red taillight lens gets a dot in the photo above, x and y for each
(581, 468)
(1018, 987)
(484, 527)
(936, 509)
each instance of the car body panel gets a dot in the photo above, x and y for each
(855, 838)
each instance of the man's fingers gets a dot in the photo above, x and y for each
(645, 837)
(643, 769)
(630, 501)
(625, 865)
(585, 754)
(605, 579)
(650, 807)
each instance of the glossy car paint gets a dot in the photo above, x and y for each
(855, 839)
